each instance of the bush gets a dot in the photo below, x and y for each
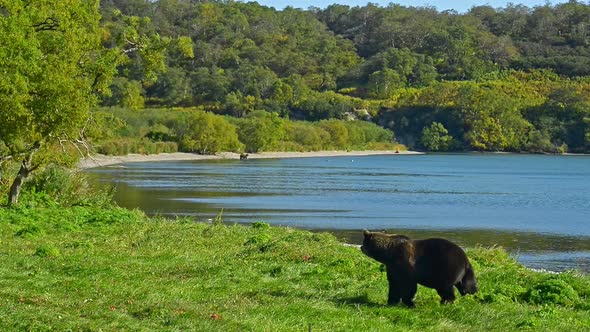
(552, 291)
(260, 225)
(207, 133)
(306, 136)
(338, 133)
(124, 146)
(436, 138)
(195, 130)
(260, 131)
(58, 185)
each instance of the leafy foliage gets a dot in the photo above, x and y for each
(496, 79)
(194, 130)
(554, 291)
(436, 138)
(207, 133)
(51, 70)
(57, 60)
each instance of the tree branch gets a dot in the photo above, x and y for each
(50, 24)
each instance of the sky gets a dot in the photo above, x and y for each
(458, 5)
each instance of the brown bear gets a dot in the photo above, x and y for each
(434, 263)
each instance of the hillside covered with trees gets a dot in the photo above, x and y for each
(507, 79)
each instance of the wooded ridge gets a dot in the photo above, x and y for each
(506, 79)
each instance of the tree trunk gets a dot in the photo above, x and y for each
(23, 173)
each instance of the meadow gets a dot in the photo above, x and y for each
(100, 267)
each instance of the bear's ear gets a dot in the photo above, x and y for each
(366, 233)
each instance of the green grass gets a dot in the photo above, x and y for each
(84, 268)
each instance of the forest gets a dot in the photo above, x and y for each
(138, 76)
(492, 79)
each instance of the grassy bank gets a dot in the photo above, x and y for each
(113, 269)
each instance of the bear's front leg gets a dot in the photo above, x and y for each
(408, 291)
(394, 290)
(394, 295)
(447, 295)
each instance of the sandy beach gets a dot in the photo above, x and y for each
(102, 160)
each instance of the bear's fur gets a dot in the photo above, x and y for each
(434, 263)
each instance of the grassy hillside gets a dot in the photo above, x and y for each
(84, 268)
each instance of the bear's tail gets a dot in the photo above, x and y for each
(469, 283)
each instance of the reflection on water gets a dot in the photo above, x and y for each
(473, 198)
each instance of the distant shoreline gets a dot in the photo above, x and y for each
(103, 160)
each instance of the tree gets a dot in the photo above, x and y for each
(436, 138)
(383, 83)
(260, 130)
(338, 133)
(52, 65)
(125, 93)
(565, 117)
(207, 133)
(172, 88)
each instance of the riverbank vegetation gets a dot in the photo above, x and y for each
(194, 130)
(78, 262)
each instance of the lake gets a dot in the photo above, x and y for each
(536, 206)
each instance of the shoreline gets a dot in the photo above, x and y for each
(104, 160)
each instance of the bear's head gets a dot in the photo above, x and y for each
(379, 246)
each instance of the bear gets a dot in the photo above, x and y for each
(434, 263)
(243, 156)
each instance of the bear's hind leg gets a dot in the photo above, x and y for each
(447, 294)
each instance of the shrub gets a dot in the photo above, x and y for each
(363, 133)
(124, 146)
(56, 184)
(552, 291)
(306, 135)
(261, 238)
(207, 133)
(260, 225)
(159, 133)
(436, 138)
(338, 133)
(260, 131)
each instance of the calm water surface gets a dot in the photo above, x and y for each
(535, 206)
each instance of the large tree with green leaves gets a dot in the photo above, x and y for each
(53, 66)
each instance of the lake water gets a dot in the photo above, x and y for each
(536, 206)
